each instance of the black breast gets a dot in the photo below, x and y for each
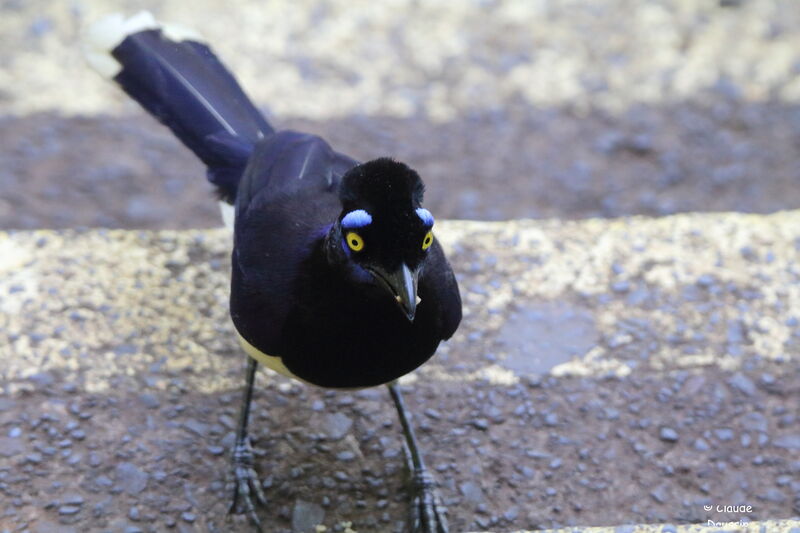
(340, 335)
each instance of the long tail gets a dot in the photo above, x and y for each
(174, 76)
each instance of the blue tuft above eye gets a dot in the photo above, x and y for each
(425, 215)
(356, 219)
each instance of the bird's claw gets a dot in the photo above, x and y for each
(246, 483)
(427, 511)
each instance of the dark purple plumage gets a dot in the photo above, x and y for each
(384, 184)
(185, 86)
(337, 304)
(297, 291)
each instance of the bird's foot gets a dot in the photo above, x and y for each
(246, 482)
(427, 511)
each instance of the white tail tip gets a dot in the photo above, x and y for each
(107, 33)
(228, 214)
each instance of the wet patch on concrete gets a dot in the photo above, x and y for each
(540, 336)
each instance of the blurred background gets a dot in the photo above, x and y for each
(529, 108)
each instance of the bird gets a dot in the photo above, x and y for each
(337, 278)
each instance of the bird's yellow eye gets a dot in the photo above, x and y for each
(354, 241)
(427, 241)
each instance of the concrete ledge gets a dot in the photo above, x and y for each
(134, 286)
(120, 375)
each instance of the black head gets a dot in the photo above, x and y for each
(384, 234)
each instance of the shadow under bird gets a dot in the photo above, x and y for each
(337, 278)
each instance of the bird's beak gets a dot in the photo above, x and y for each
(402, 284)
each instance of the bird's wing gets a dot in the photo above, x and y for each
(286, 199)
(289, 164)
(438, 286)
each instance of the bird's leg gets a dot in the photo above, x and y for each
(427, 511)
(245, 479)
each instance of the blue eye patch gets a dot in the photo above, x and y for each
(425, 215)
(356, 219)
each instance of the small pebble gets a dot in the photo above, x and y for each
(724, 434)
(743, 384)
(149, 400)
(345, 456)
(480, 423)
(216, 450)
(34, 458)
(72, 499)
(336, 425)
(306, 515)
(668, 434)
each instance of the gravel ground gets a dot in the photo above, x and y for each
(129, 172)
(664, 381)
(663, 388)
